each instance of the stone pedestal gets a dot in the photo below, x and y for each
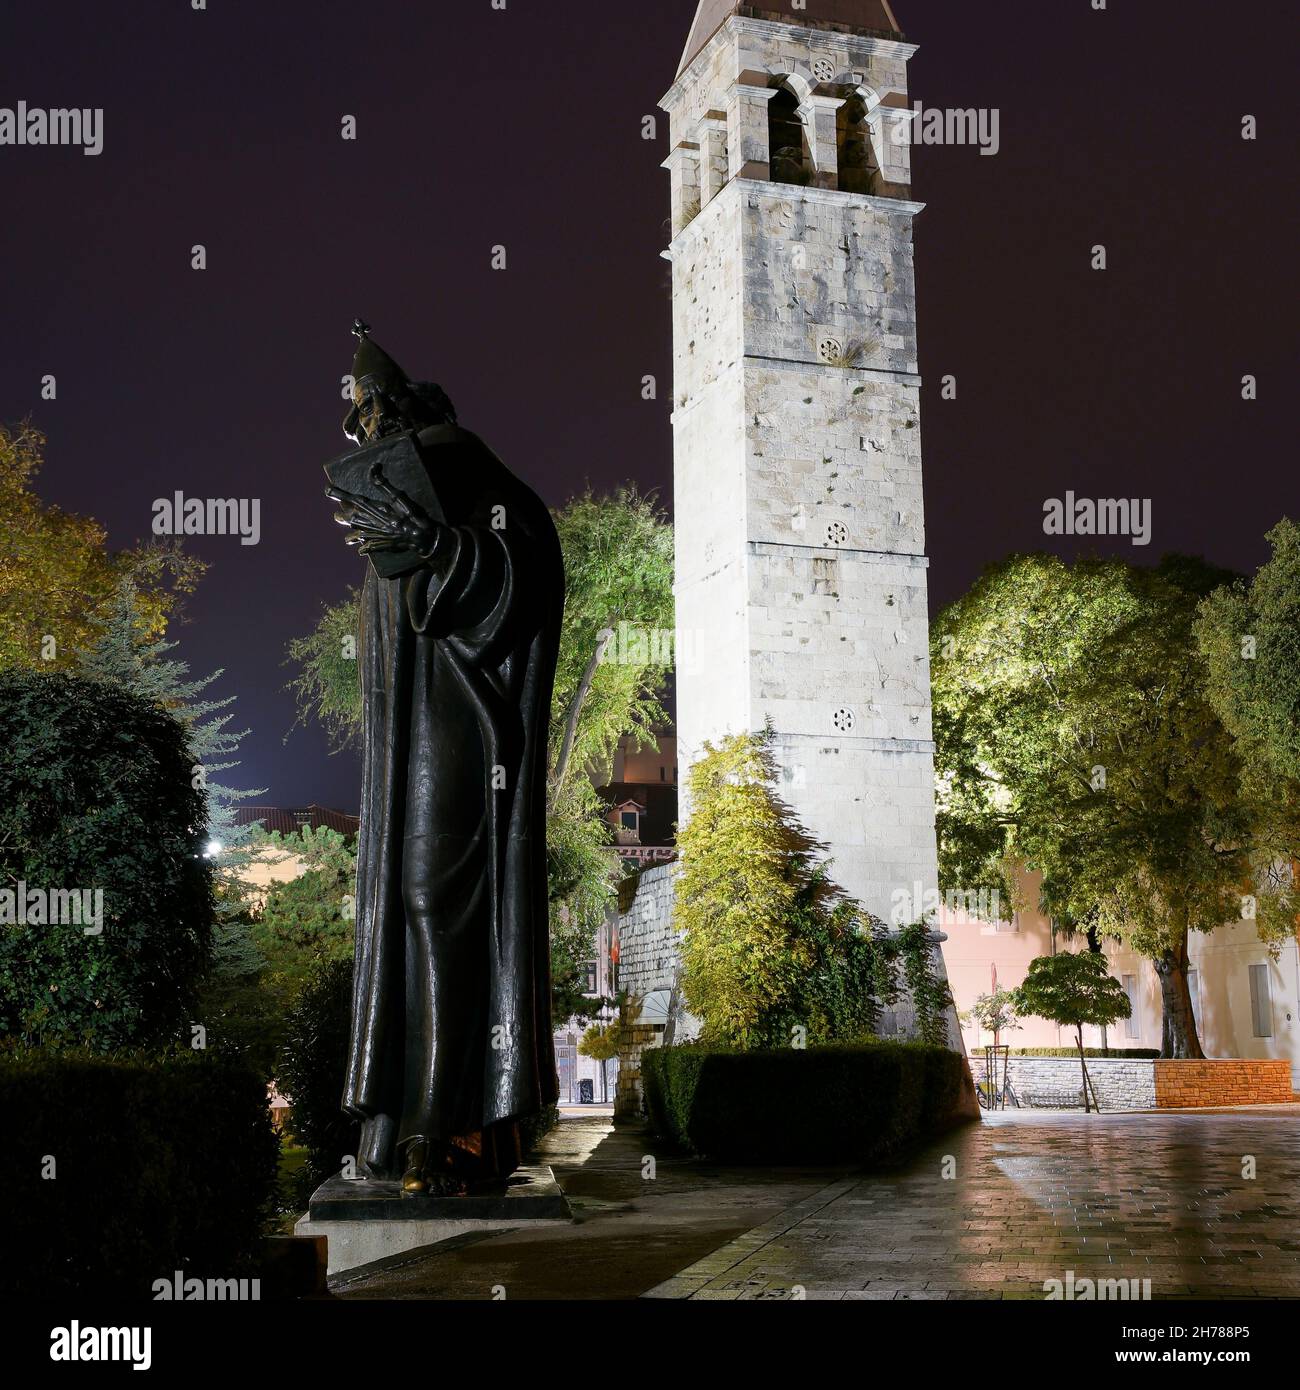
(366, 1221)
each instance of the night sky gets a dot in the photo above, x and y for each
(522, 128)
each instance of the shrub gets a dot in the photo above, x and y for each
(534, 1128)
(307, 921)
(121, 1170)
(861, 1103)
(770, 943)
(98, 795)
(312, 1067)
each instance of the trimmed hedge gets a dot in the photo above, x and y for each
(159, 1164)
(1142, 1052)
(853, 1103)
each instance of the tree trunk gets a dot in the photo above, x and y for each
(1083, 1067)
(1178, 1024)
(575, 709)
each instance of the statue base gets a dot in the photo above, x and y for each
(366, 1221)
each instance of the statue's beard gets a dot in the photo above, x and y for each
(388, 424)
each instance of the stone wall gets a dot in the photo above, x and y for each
(1135, 1083)
(629, 1094)
(1234, 1081)
(648, 956)
(648, 962)
(1122, 1083)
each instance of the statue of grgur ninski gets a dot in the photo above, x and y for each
(459, 630)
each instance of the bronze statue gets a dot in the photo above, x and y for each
(460, 620)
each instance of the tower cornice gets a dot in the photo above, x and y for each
(865, 44)
(817, 40)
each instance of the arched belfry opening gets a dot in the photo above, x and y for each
(858, 165)
(787, 138)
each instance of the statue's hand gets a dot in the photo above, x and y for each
(395, 523)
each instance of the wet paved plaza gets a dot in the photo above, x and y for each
(996, 1209)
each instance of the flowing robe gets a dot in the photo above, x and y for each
(451, 1026)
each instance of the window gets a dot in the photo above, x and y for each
(1132, 1028)
(859, 172)
(1194, 989)
(564, 1065)
(590, 968)
(1261, 1002)
(627, 819)
(786, 139)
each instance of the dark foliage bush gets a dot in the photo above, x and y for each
(121, 1170)
(535, 1128)
(852, 1103)
(312, 1066)
(98, 794)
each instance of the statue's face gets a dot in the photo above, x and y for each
(375, 414)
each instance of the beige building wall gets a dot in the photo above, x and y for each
(646, 764)
(271, 865)
(1229, 1018)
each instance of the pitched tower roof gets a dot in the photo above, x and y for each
(876, 15)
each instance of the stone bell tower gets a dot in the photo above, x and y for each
(801, 569)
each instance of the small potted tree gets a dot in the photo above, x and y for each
(1071, 990)
(996, 1014)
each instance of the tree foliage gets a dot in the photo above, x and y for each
(995, 1011)
(309, 920)
(264, 956)
(580, 872)
(98, 796)
(1071, 990)
(58, 580)
(327, 685)
(618, 579)
(125, 655)
(1248, 634)
(601, 1041)
(1074, 736)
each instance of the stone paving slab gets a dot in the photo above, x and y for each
(631, 1231)
(1029, 1197)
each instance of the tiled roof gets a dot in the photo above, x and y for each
(289, 820)
(659, 800)
(876, 15)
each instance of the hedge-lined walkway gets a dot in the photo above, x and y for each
(1032, 1197)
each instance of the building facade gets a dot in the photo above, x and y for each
(1246, 1002)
